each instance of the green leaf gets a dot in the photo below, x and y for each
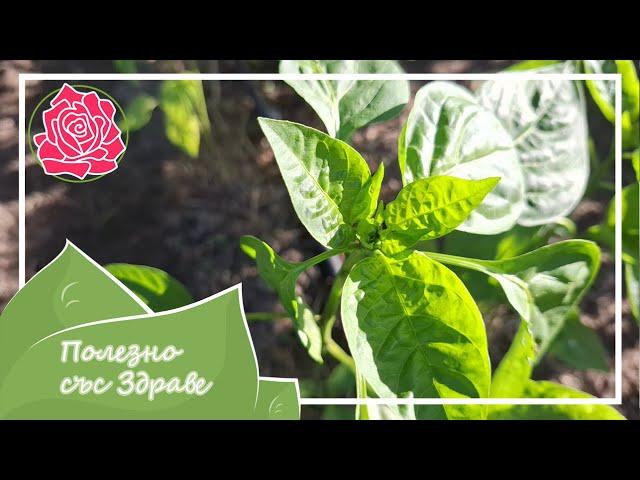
(605, 233)
(281, 276)
(629, 221)
(448, 133)
(155, 288)
(325, 178)
(125, 66)
(340, 383)
(547, 120)
(308, 330)
(344, 106)
(183, 104)
(413, 329)
(603, 93)
(366, 200)
(553, 412)
(138, 113)
(543, 286)
(509, 244)
(430, 208)
(391, 412)
(579, 346)
(69, 291)
(531, 65)
(514, 370)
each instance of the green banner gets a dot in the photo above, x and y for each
(75, 343)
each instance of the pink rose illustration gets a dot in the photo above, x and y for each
(81, 137)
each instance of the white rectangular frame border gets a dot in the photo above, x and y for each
(617, 400)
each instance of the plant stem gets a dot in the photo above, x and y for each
(264, 316)
(320, 258)
(329, 313)
(328, 319)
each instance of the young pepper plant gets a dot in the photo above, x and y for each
(412, 328)
(183, 103)
(452, 132)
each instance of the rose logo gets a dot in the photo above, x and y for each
(81, 137)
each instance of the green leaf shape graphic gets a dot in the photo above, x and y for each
(71, 290)
(277, 399)
(211, 334)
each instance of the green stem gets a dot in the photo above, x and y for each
(264, 316)
(329, 313)
(320, 258)
(542, 235)
(328, 319)
(472, 264)
(362, 411)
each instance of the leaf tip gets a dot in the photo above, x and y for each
(246, 246)
(492, 181)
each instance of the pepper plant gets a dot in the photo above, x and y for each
(476, 163)
(506, 162)
(184, 107)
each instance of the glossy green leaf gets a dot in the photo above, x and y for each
(448, 133)
(603, 93)
(517, 241)
(183, 104)
(509, 244)
(156, 288)
(514, 370)
(635, 161)
(542, 286)
(325, 178)
(579, 346)
(430, 208)
(138, 112)
(366, 200)
(547, 120)
(413, 329)
(347, 105)
(308, 330)
(553, 412)
(281, 276)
